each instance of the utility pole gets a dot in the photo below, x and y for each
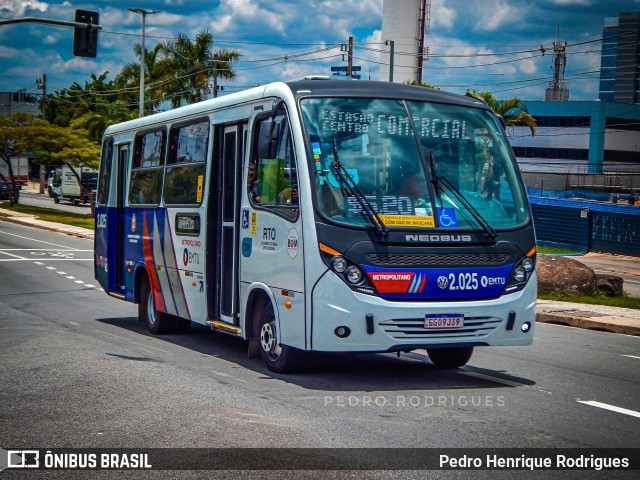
(350, 58)
(392, 45)
(144, 13)
(41, 84)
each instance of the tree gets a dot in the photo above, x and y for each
(96, 122)
(9, 138)
(96, 95)
(192, 63)
(423, 84)
(54, 144)
(156, 68)
(513, 109)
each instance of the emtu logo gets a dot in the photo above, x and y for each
(185, 257)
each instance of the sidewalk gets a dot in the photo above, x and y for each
(594, 317)
(32, 221)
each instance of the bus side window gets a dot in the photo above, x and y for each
(147, 168)
(184, 181)
(272, 180)
(105, 171)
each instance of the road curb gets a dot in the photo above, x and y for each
(605, 324)
(84, 233)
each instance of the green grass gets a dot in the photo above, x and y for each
(555, 250)
(599, 298)
(52, 215)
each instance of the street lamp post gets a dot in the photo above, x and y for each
(144, 13)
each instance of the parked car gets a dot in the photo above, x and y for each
(5, 190)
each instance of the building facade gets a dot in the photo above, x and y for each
(20, 101)
(620, 59)
(587, 136)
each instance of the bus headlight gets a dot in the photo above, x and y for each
(519, 274)
(347, 270)
(339, 264)
(354, 275)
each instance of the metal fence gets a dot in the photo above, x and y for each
(583, 229)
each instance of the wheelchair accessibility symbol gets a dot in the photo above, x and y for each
(447, 218)
(245, 218)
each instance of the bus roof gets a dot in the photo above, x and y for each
(300, 89)
(368, 89)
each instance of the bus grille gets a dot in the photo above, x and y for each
(437, 259)
(413, 329)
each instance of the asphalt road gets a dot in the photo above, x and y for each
(80, 371)
(28, 197)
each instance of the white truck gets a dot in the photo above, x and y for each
(66, 185)
(20, 167)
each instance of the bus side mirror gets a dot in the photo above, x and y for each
(268, 139)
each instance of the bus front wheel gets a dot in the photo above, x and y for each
(157, 322)
(453, 357)
(278, 358)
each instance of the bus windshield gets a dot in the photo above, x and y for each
(418, 164)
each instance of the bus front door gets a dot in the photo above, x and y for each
(222, 223)
(118, 264)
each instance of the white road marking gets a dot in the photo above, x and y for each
(38, 263)
(632, 356)
(39, 241)
(61, 272)
(612, 408)
(12, 255)
(494, 379)
(71, 277)
(79, 281)
(51, 268)
(90, 286)
(74, 323)
(49, 259)
(44, 250)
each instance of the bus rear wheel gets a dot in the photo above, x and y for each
(453, 357)
(278, 358)
(157, 322)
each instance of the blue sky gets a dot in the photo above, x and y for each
(471, 42)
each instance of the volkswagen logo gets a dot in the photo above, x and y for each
(443, 282)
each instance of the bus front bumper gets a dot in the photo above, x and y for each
(392, 326)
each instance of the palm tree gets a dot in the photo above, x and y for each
(192, 63)
(156, 68)
(513, 109)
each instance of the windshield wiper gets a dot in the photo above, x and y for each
(486, 226)
(338, 169)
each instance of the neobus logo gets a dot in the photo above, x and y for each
(438, 238)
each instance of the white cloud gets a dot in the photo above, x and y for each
(497, 14)
(50, 40)
(572, 2)
(18, 8)
(441, 15)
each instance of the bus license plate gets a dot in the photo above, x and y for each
(446, 320)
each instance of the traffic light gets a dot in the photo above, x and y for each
(85, 39)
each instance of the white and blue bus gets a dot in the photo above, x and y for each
(321, 215)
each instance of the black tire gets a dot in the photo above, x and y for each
(56, 198)
(157, 322)
(453, 357)
(182, 325)
(277, 358)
